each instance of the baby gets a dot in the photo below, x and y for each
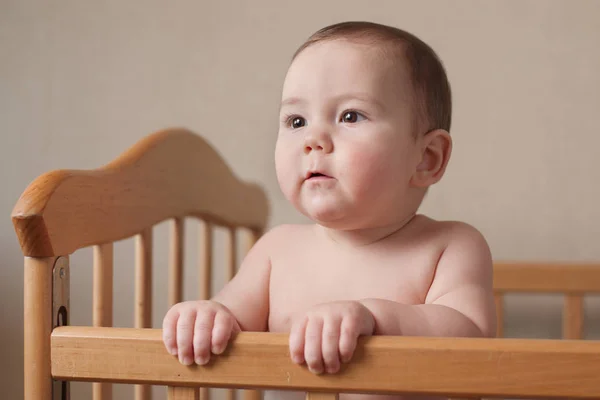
(364, 132)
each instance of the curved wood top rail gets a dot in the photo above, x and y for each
(459, 367)
(547, 277)
(172, 173)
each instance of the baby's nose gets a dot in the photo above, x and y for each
(321, 142)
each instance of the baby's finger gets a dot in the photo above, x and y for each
(312, 345)
(202, 336)
(296, 338)
(331, 344)
(169, 331)
(185, 332)
(348, 337)
(221, 333)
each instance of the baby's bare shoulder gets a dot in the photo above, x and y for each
(452, 233)
(462, 237)
(462, 250)
(465, 253)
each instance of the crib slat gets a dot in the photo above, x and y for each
(205, 260)
(182, 393)
(250, 237)
(205, 274)
(573, 316)
(499, 300)
(231, 261)
(176, 261)
(231, 247)
(143, 280)
(103, 304)
(143, 294)
(321, 396)
(38, 321)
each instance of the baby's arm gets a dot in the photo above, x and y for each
(194, 329)
(460, 300)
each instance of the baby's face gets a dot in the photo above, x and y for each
(346, 150)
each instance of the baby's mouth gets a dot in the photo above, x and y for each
(316, 175)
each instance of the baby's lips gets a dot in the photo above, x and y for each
(311, 174)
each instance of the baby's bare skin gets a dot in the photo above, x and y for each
(351, 158)
(433, 277)
(400, 268)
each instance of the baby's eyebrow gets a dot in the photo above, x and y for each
(360, 96)
(291, 101)
(338, 99)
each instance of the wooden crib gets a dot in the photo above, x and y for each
(175, 174)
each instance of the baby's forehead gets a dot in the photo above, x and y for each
(361, 61)
(377, 50)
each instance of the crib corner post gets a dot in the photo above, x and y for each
(46, 305)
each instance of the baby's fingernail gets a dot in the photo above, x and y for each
(201, 360)
(315, 371)
(173, 351)
(187, 360)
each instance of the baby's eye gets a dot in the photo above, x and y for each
(297, 122)
(352, 117)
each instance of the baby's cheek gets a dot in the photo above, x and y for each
(375, 175)
(288, 164)
(366, 166)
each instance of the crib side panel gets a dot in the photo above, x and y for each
(456, 367)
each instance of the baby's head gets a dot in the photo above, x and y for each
(364, 127)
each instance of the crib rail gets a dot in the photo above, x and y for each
(572, 280)
(458, 367)
(548, 277)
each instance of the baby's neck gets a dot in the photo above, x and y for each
(366, 236)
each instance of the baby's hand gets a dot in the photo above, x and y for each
(194, 329)
(327, 334)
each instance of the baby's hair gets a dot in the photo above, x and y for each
(429, 79)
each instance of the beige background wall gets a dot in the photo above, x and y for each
(82, 81)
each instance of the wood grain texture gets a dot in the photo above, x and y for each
(547, 277)
(455, 367)
(169, 174)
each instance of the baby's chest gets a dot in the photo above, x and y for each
(308, 280)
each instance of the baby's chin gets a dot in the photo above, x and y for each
(335, 215)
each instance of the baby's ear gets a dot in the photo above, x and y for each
(436, 147)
